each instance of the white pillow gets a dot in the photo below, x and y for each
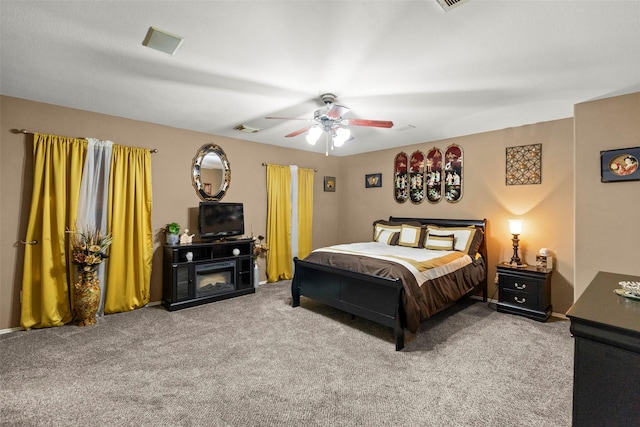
(440, 243)
(386, 236)
(409, 236)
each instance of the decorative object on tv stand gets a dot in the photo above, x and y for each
(524, 165)
(89, 250)
(515, 227)
(544, 260)
(259, 249)
(173, 230)
(186, 238)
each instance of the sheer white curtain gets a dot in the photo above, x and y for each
(93, 199)
(294, 212)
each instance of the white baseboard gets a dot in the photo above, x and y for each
(8, 331)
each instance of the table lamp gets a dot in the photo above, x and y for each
(515, 227)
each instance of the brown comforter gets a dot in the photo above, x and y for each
(420, 302)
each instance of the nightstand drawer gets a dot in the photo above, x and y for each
(519, 284)
(519, 299)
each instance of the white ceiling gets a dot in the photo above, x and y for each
(482, 66)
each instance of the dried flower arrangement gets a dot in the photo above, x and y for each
(89, 248)
(259, 248)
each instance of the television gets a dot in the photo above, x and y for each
(217, 220)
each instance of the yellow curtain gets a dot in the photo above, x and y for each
(129, 221)
(305, 211)
(278, 223)
(46, 278)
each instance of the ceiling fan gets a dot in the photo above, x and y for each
(329, 120)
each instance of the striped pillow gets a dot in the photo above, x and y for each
(440, 243)
(387, 236)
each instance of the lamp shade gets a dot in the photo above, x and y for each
(515, 226)
(313, 135)
(341, 136)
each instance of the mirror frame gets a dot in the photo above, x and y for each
(195, 172)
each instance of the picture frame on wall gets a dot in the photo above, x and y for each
(330, 183)
(620, 165)
(373, 180)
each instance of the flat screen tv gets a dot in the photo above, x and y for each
(217, 220)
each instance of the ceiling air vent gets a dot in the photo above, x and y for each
(447, 5)
(247, 129)
(163, 41)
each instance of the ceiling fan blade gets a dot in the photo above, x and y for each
(298, 132)
(373, 123)
(286, 118)
(336, 111)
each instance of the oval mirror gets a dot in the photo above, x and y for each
(211, 172)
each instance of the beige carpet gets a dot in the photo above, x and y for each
(256, 361)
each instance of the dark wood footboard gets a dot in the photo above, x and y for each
(375, 298)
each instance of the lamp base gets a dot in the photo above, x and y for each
(513, 264)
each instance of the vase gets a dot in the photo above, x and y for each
(256, 274)
(173, 239)
(86, 298)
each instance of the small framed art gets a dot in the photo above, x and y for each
(329, 183)
(373, 180)
(620, 165)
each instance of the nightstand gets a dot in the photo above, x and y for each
(525, 291)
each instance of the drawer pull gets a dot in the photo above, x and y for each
(519, 286)
(522, 301)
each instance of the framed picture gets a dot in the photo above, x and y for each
(329, 183)
(373, 180)
(620, 165)
(207, 187)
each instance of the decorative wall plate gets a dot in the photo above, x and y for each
(416, 177)
(401, 177)
(433, 175)
(453, 173)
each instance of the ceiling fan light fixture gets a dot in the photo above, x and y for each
(314, 135)
(340, 136)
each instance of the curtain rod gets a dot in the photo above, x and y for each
(265, 164)
(151, 150)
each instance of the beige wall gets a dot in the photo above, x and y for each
(547, 209)
(608, 214)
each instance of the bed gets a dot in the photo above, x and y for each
(391, 289)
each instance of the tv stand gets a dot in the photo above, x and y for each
(214, 272)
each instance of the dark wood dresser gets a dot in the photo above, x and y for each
(606, 328)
